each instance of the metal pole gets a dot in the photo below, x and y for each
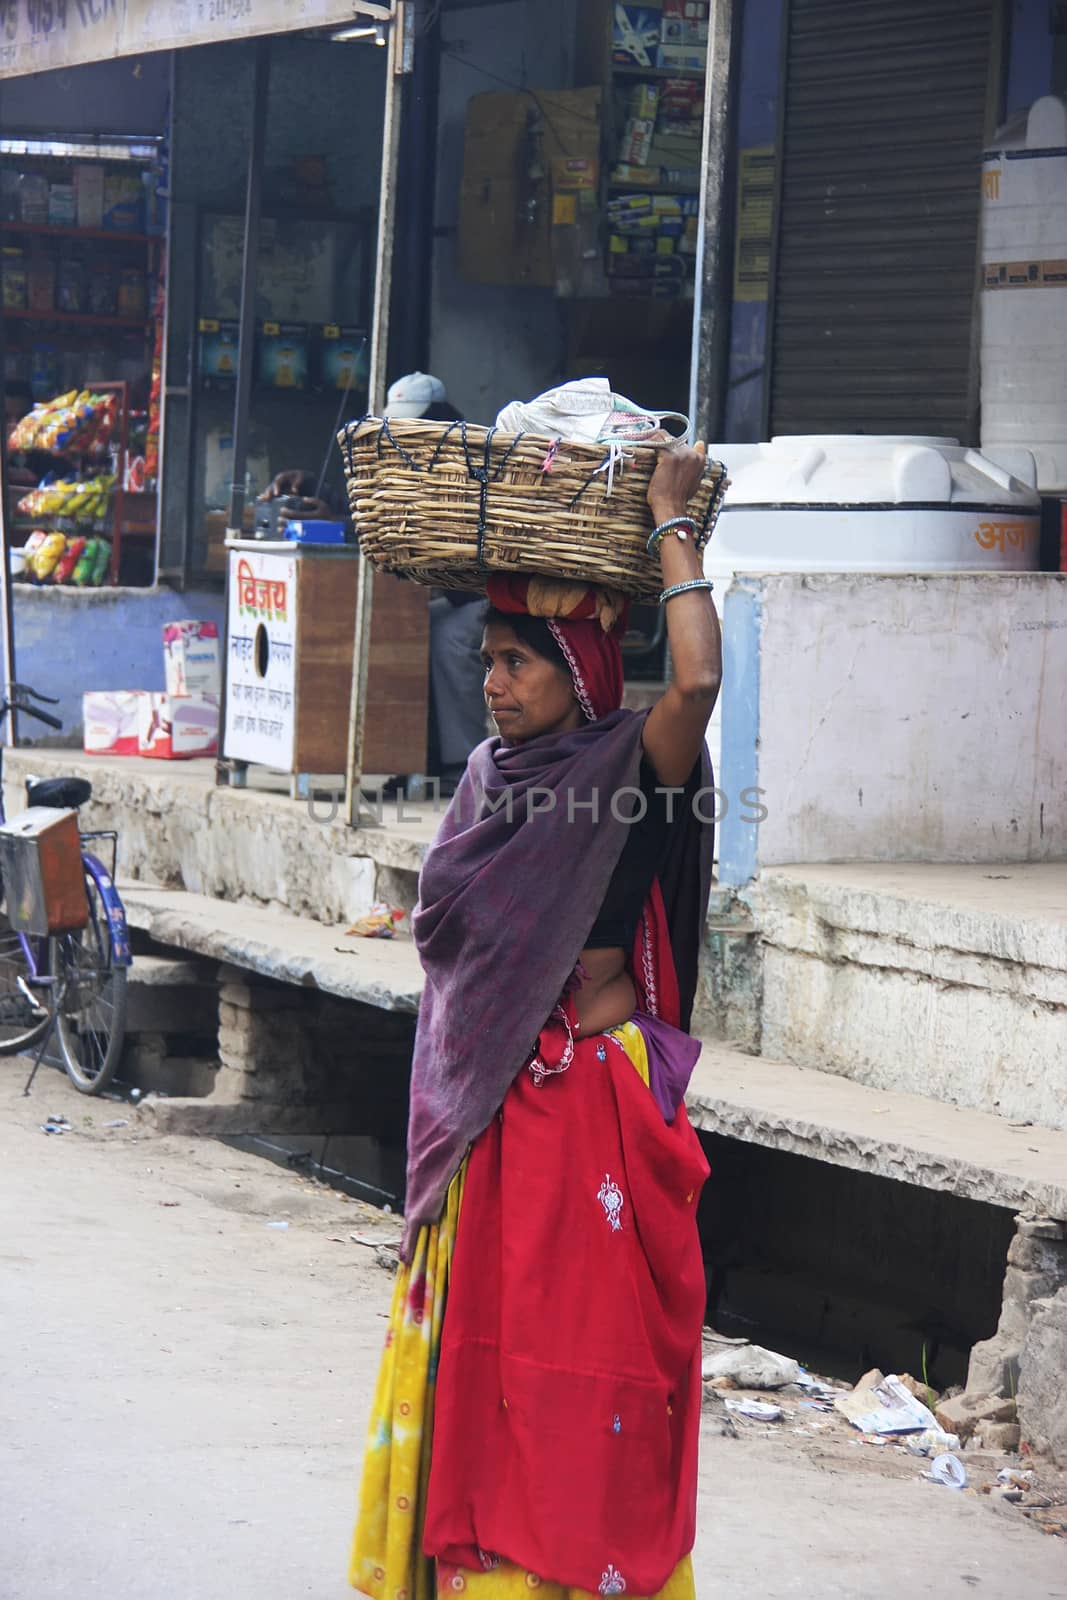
(247, 324)
(11, 724)
(233, 772)
(710, 362)
(399, 62)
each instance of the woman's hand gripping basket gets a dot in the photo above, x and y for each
(447, 503)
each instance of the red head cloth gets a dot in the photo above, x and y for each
(576, 616)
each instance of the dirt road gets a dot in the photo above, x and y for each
(185, 1386)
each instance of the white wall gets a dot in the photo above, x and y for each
(488, 343)
(919, 718)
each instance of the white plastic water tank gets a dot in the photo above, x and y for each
(1024, 290)
(863, 503)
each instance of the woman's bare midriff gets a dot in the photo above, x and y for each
(607, 997)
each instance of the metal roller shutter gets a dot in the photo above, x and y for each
(884, 121)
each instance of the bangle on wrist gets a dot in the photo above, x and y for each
(683, 527)
(684, 588)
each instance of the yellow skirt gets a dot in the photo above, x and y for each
(387, 1562)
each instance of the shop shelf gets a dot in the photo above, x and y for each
(61, 231)
(83, 319)
(620, 71)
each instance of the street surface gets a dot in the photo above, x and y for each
(185, 1388)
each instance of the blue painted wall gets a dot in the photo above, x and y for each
(69, 640)
(739, 763)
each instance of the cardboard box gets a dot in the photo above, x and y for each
(191, 662)
(177, 727)
(109, 719)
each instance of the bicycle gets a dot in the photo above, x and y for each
(70, 984)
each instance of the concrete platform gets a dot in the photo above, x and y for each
(948, 982)
(891, 1135)
(379, 972)
(178, 830)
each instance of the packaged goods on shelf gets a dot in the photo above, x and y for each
(70, 286)
(283, 355)
(33, 198)
(61, 207)
(123, 203)
(640, 125)
(75, 422)
(14, 279)
(89, 194)
(79, 501)
(683, 57)
(635, 35)
(684, 22)
(102, 301)
(133, 293)
(41, 284)
(640, 177)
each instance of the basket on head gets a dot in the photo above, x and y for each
(448, 502)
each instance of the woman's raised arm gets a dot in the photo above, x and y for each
(674, 729)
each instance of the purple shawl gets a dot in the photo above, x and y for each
(508, 894)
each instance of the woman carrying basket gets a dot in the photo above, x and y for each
(541, 1433)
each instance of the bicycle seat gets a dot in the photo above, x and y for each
(59, 793)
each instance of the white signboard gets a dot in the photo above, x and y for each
(261, 671)
(37, 35)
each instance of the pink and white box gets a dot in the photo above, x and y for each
(191, 658)
(109, 718)
(177, 727)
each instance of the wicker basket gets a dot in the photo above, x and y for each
(447, 503)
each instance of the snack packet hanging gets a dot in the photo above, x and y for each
(69, 560)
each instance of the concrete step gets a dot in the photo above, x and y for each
(164, 996)
(906, 1137)
(379, 972)
(943, 981)
(178, 829)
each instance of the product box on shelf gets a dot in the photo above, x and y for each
(635, 35)
(109, 720)
(683, 57)
(89, 194)
(283, 355)
(191, 658)
(218, 350)
(685, 22)
(343, 356)
(177, 727)
(61, 207)
(123, 203)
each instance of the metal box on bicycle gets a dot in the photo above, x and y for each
(42, 872)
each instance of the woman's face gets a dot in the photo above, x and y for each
(526, 694)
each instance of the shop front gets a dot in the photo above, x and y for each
(188, 226)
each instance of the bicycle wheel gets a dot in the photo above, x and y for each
(23, 1018)
(92, 999)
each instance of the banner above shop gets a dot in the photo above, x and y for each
(38, 35)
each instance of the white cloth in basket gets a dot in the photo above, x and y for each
(587, 412)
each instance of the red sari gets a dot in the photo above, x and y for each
(568, 1400)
